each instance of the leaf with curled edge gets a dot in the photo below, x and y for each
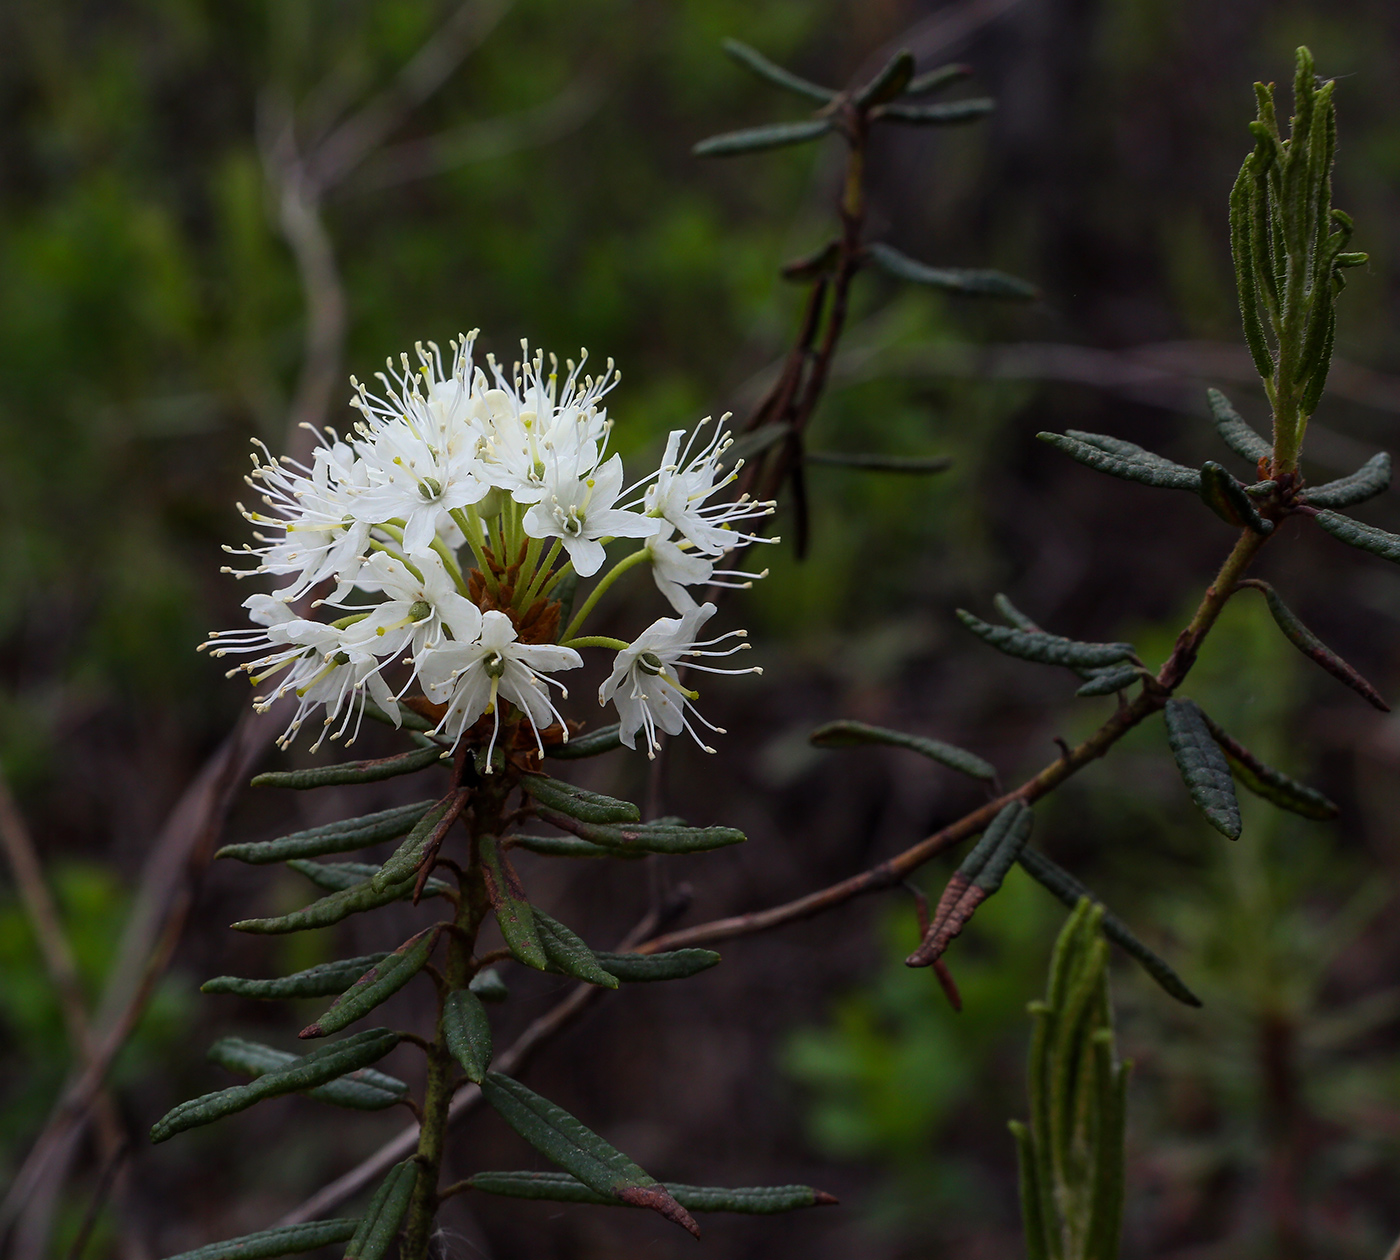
(336, 837)
(845, 733)
(1371, 479)
(1203, 766)
(1236, 432)
(1047, 649)
(1069, 890)
(891, 81)
(352, 771)
(776, 74)
(328, 910)
(568, 1142)
(568, 953)
(973, 281)
(467, 1031)
(1365, 537)
(338, 876)
(564, 1188)
(758, 139)
(948, 114)
(362, 1090)
(285, 1240)
(676, 964)
(937, 79)
(514, 913)
(577, 802)
(380, 1224)
(589, 744)
(377, 985)
(1272, 785)
(1226, 497)
(1158, 473)
(1314, 648)
(978, 877)
(323, 980)
(660, 836)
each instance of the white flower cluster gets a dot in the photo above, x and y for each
(510, 472)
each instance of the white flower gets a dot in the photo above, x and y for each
(684, 482)
(677, 565)
(578, 508)
(471, 677)
(422, 456)
(645, 687)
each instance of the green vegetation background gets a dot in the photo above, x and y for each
(151, 325)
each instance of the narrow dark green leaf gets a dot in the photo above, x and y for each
(937, 115)
(1163, 474)
(467, 1029)
(648, 837)
(564, 1188)
(972, 281)
(365, 1090)
(1069, 890)
(513, 912)
(287, 1240)
(565, 846)
(307, 1072)
(1109, 681)
(1236, 432)
(914, 465)
(568, 953)
(677, 964)
(577, 802)
(325, 980)
(488, 986)
(589, 744)
(1032, 1219)
(1046, 649)
(775, 74)
(578, 1150)
(1128, 450)
(329, 910)
(404, 862)
(338, 876)
(337, 837)
(933, 80)
(1371, 479)
(1366, 537)
(889, 83)
(408, 719)
(1315, 649)
(757, 139)
(850, 734)
(380, 1224)
(1226, 497)
(352, 771)
(376, 986)
(1273, 785)
(1203, 766)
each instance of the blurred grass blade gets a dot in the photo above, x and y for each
(1156, 472)
(897, 74)
(649, 837)
(1235, 431)
(916, 465)
(1366, 537)
(288, 1240)
(1371, 479)
(323, 980)
(513, 912)
(376, 986)
(775, 74)
(577, 802)
(1069, 890)
(1273, 785)
(329, 910)
(977, 282)
(352, 771)
(565, 1188)
(758, 139)
(364, 1090)
(678, 964)
(979, 876)
(1226, 498)
(337, 837)
(938, 115)
(380, 1224)
(1315, 649)
(1047, 649)
(316, 1068)
(578, 1150)
(590, 744)
(467, 1030)
(1203, 766)
(568, 953)
(851, 734)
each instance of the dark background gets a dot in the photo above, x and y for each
(152, 321)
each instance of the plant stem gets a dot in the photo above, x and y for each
(604, 582)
